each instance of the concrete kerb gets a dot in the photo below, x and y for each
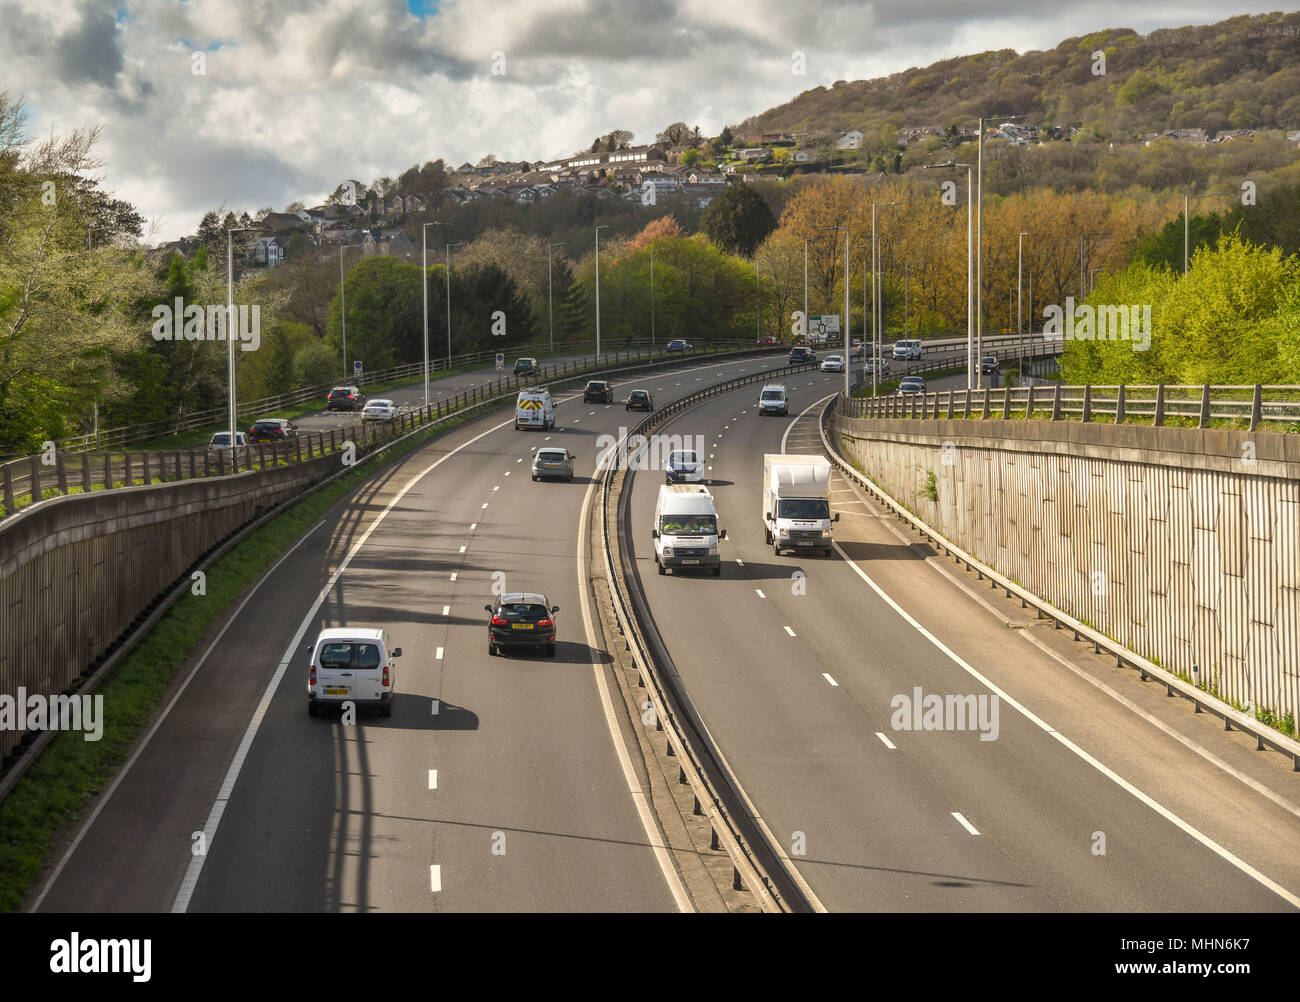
(1201, 700)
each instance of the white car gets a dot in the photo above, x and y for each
(684, 467)
(352, 665)
(907, 349)
(219, 443)
(379, 410)
(833, 363)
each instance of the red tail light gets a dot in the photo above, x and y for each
(311, 678)
(385, 676)
(500, 621)
(546, 622)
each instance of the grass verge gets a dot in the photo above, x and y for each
(71, 771)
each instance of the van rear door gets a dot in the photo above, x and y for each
(335, 669)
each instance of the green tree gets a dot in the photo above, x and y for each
(738, 220)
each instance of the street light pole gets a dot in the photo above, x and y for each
(805, 284)
(449, 247)
(343, 312)
(846, 298)
(424, 289)
(602, 226)
(550, 306)
(231, 330)
(970, 275)
(1187, 226)
(652, 292)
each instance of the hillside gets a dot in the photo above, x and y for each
(1241, 73)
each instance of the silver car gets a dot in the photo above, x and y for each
(551, 462)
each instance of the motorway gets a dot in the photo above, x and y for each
(514, 784)
(793, 663)
(498, 784)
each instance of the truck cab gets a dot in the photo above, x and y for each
(796, 503)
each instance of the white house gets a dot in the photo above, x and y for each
(850, 141)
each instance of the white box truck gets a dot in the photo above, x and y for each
(797, 503)
(686, 532)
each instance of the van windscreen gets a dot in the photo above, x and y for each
(809, 508)
(689, 525)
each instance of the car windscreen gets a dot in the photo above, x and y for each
(523, 612)
(680, 458)
(773, 394)
(221, 439)
(349, 654)
(802, 508)
(266, 426)
(688, 525)
(551, 456)
(636, 395)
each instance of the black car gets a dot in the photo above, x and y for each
(800, 354)
(345, 398)
(988, 365)
(272, 430)
(525, 366)
(639, 400)
(521, 619)
(598, 391)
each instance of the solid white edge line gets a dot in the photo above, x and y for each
(144, 743)
(666, 865)
(964, 823)
(184, 893)
(196, 862)
(1105, 770)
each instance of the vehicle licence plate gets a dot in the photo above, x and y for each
(521, 626)
(336, 692)
(806, 542)
(690, 561)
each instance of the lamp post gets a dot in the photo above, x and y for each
(979, 244)
(343, 312)
(1187, 225)
(1092, 279)
(847, 251)
(449, 247)
(652, 292)
(231, 329)
(878, 301)
(864, 323)
(550, 306)
(805, 283)
(907, 267)
(1083, 243)
(424, 289)
(602, 226)
(758, 304)
(970, 275)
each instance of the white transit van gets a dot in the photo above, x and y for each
(352, 664)
(686, 532)
(534, 408)
(797, 503)
(908, 349)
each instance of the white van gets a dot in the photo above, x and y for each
(534, 408)
(773, 400)
(686, 532)
(352, 664)
(907, 349)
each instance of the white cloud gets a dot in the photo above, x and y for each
(299, 94)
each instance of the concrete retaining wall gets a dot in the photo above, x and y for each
(1182, 544)
(75, 571)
